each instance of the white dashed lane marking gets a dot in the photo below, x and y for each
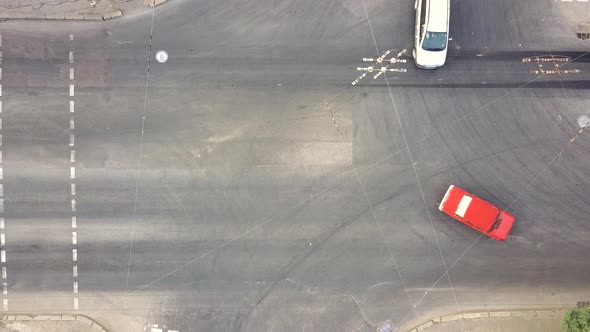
(73, 175)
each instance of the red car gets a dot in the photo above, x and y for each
(477, 213)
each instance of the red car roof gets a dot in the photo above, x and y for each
(477, 212)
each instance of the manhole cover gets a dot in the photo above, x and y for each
(161, 56)
(584, 121)
(387, 327)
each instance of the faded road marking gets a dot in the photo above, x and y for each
(73, 176)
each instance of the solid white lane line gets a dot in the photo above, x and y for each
(72, 156)
(73, 187)
(74, 225)
(2, 235)
(71, 106)
(74, 255)
(74, 238)
(72, 172)
(75, 271)
(71, 90)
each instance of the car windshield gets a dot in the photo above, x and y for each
(435, 41)
(496, 223)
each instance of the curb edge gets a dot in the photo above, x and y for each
(487, 314)
(80, 318)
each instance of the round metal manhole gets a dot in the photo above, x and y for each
(584, 121)
(161, 56)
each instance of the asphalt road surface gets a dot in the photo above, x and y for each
(246, 185)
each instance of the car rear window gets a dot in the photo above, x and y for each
(463, 205)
